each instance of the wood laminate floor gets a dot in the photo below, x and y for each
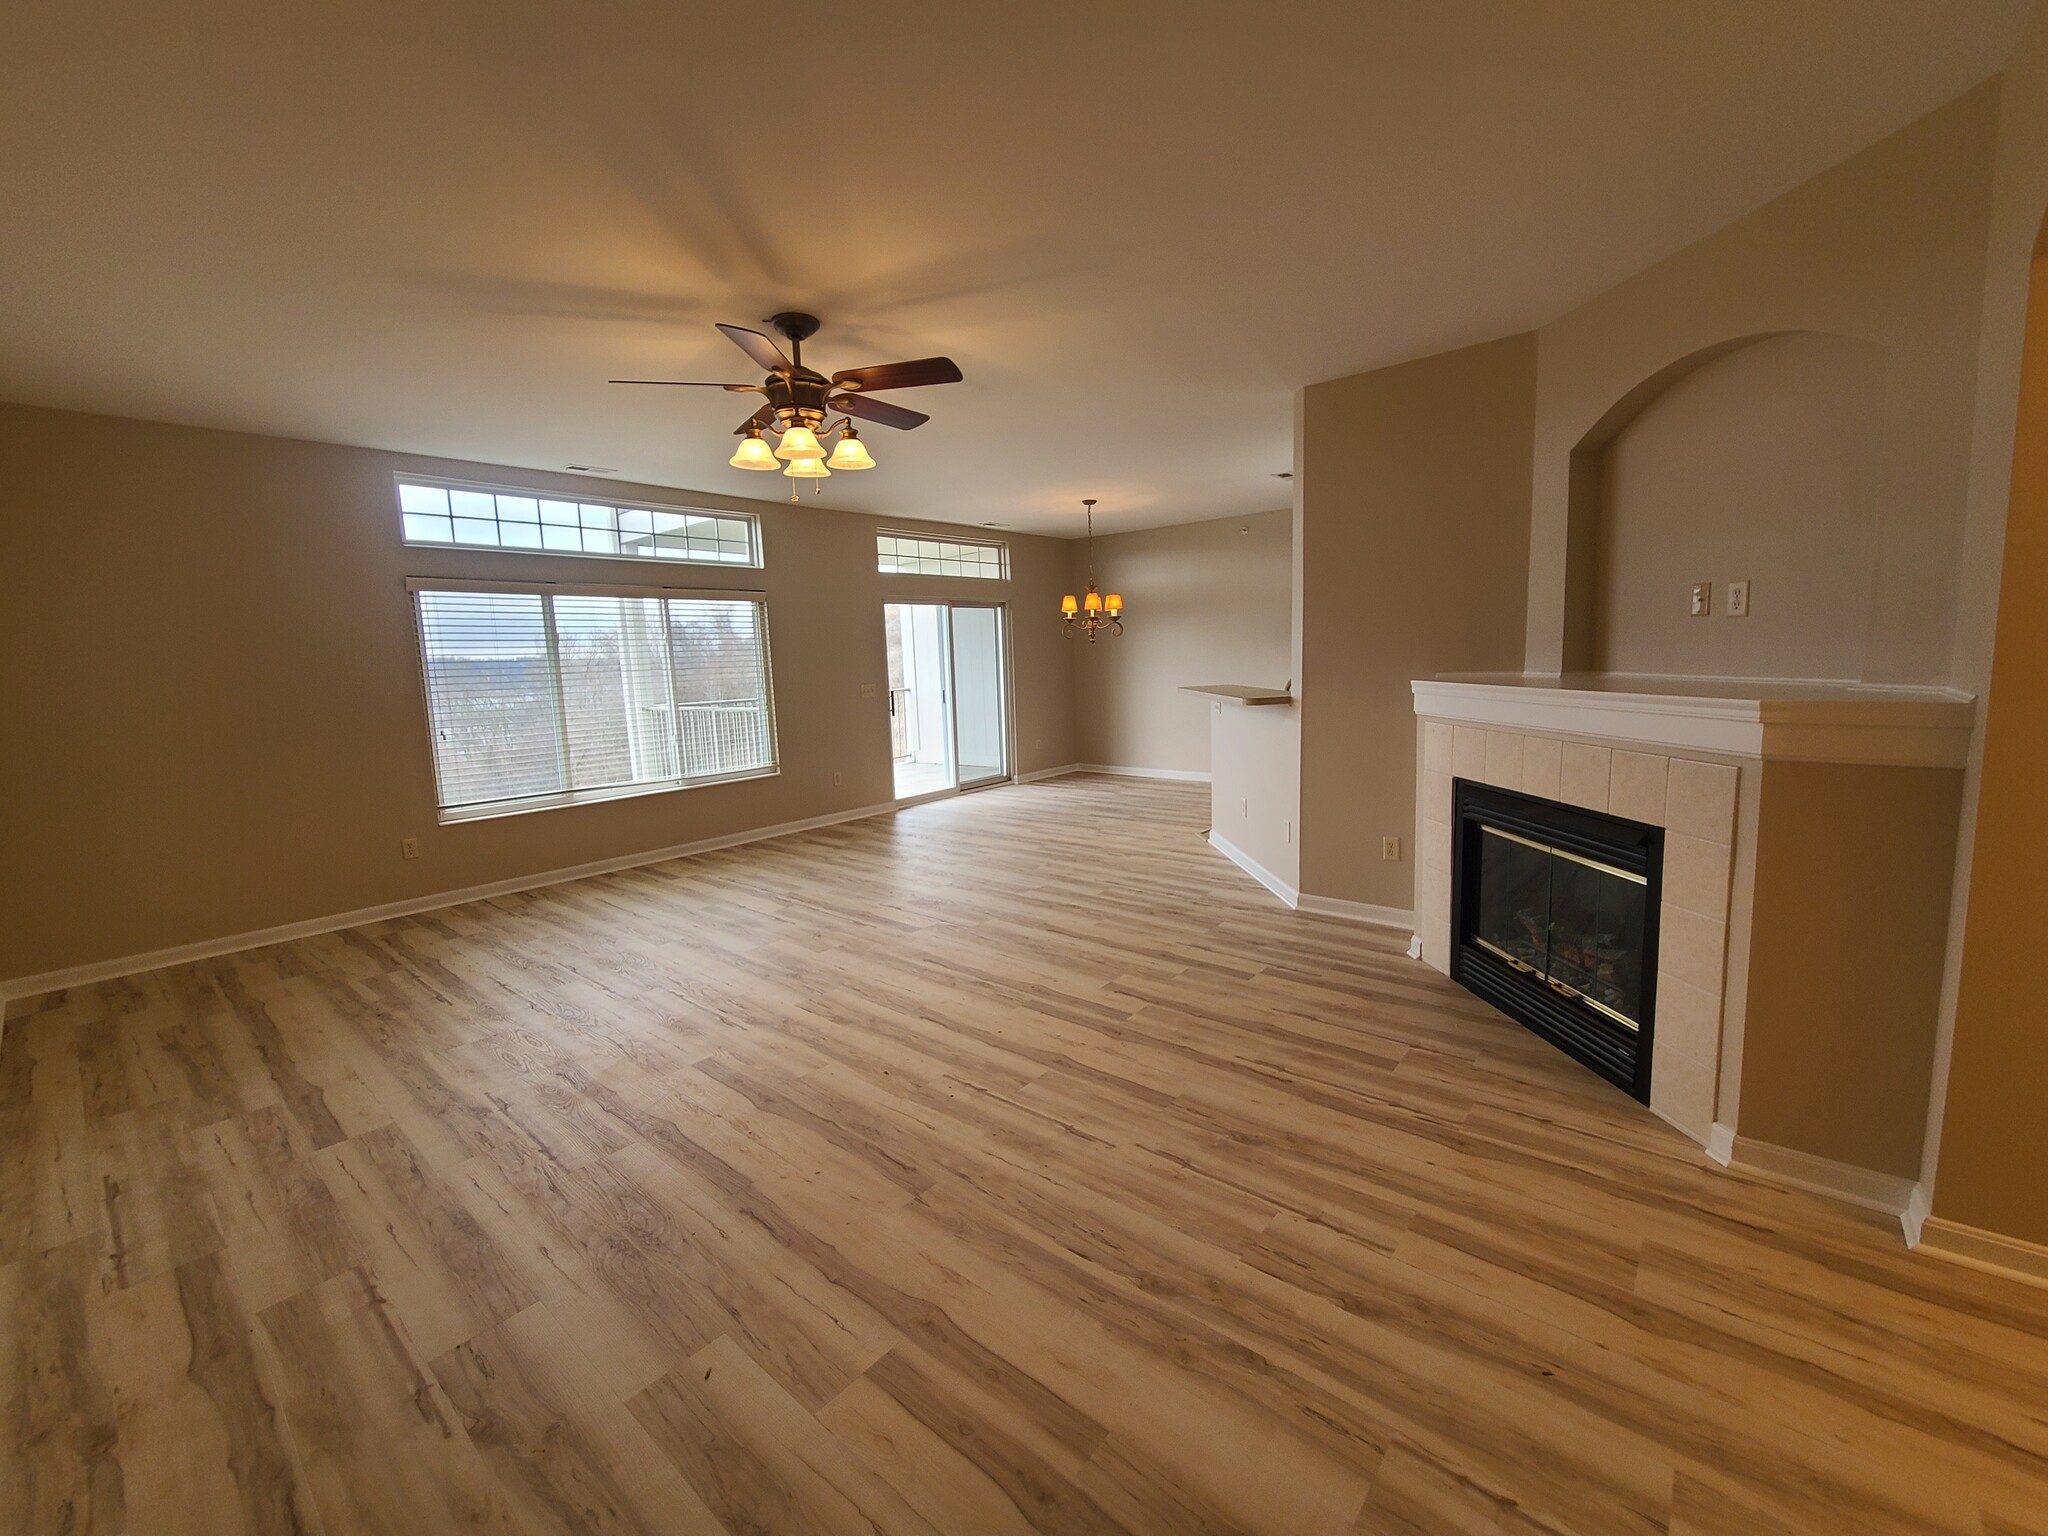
(1010, 1164)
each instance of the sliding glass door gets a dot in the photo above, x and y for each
(948, 707)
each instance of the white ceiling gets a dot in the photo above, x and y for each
(1137, 227)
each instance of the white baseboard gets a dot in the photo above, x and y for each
(1358, 912)
(1721, 1143)
(1874, 1191)
(1255, 869)
(2013, 1257)
(1186, 774)
(1914, 1218)
(1415, 945)
(1048, 773)
(207, 949)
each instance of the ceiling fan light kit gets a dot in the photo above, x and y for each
(1092, 613)
(801, 401)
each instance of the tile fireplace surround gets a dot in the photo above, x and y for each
(1809, 848)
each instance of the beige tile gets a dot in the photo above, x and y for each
(1434, 802)
(1696, 874)
(1468, 752)
(1701, 800)
(1542, 762)
(1433, 845)
(1436, 942)
(1682, 1089)
(1582, 775)
(1432, 892)
(1636, 789)
(1688, 1018)
(1436, 746)
(1504, 759)
(1690, 947)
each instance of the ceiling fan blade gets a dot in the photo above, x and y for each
(878, 411)
(692, 384)
(760, 421)
(758, 347)
(923, 370)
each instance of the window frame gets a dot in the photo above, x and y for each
(757, 559)
(520, 805)
(1000, 546)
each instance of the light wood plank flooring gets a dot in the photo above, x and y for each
(1010, 1164)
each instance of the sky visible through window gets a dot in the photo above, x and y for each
(485, 519)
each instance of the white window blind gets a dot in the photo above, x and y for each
(479, 517)
(900, 554)
(540, 698)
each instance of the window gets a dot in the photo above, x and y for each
(541, 698)
(901, 554)
(478, 517)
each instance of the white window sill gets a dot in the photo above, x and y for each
(492, 809)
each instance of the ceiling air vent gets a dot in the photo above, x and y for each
(590, 469)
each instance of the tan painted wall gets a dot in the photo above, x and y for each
(1413, 537)
(1211, 603)
(1887, 248)
(212, 698)
(1849, 912)
(1756, 467)
(2002, 1196)
(1993, 1171)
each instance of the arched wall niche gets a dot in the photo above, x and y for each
(1754, 458)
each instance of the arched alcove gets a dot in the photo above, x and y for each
(1754, 459)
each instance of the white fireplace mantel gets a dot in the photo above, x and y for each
(1799, 722)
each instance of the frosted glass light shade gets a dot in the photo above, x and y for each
(753, 453)
(800, 443)
(851, 453)
(807, 469)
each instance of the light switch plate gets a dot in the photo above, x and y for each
(1702, 599)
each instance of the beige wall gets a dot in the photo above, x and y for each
(1413, 537)
(1993, 1171)
(1758, 466)
(1992, 1178)
(1211, 602)
(212, 689)
(1886, 249)
(1845, 952)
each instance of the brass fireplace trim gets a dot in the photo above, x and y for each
(1562, 988)
(1565, 853)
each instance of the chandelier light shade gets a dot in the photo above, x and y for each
(753, 453)
(1091, 613)
(799, 442)
(850, 452)
(807, 469)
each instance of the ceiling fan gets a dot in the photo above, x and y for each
(801, 401)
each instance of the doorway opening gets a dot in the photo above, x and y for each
(949, 725)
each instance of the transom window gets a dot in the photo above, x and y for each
(544, 698)
(903, 554)
(480, 517)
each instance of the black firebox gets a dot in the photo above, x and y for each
(1554, 922)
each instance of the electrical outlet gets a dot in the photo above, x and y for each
(408, 847)
(838, 778)
(1738, 599)
(1702, 599)
(1247, 806)
(1290, 831)
(867, 690)
(1390, 848)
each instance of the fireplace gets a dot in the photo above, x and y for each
(1554, 922)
